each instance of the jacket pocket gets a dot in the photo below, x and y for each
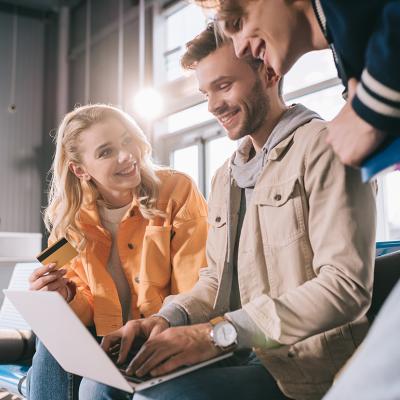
(280, 364)
(217, 216)
(217, 239)
(155, 265)
(280, 212)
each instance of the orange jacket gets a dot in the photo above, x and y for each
(160, 256)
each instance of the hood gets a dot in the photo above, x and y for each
(246, 172)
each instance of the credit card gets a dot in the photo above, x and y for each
(60, 253)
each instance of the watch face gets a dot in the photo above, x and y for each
(224, 334)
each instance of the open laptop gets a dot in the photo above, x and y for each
(72, 345)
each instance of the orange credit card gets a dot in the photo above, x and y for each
(60, 253)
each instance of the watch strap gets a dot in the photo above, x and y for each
(217, 320)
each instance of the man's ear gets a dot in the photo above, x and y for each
(79, 171)
(271, 77)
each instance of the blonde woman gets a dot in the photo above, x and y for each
(140, 231)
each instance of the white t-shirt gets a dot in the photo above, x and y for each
(111, 218)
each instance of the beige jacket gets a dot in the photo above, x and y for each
(305, 262)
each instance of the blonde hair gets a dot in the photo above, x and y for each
(67, 192)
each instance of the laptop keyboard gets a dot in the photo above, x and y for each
(134, 378)
(122, 368)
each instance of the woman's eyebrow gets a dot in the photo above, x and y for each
(102, 146)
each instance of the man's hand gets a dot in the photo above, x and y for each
(174, 348)
(125, 336)
(352, 138)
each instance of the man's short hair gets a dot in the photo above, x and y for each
(202, 45)
(206, 43)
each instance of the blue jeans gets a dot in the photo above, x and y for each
(374, 371)
(46, 380)
(231, 379)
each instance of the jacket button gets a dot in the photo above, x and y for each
(277, 197)
(218, 219)
(137, 280)
(131, 246)
(290, 354)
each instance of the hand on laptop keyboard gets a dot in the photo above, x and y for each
(132, 334)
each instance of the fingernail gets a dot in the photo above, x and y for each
(139, 372)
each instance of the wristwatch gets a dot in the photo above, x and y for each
(223, 334)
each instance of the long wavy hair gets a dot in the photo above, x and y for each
(67, 193)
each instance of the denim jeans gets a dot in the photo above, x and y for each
(231, 379)
(374, 371)
(46, 380)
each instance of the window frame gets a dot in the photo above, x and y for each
(199, 134)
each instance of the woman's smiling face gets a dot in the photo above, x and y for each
(109, 157)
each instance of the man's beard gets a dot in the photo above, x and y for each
(255, 110)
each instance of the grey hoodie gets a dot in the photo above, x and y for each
(246, 172)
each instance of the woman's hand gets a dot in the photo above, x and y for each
(47, 278)
(124, 337)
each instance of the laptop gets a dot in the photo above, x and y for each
(72, 345)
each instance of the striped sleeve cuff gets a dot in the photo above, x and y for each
(249, 334)
(377, 104)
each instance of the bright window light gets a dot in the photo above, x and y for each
(313, 67)
(187, 160)
(148, 103)
(189, 117)
(327, 103)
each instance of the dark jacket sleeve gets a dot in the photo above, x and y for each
(377, 99)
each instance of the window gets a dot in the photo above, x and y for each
(175, 26)
(202, 159)
(304, 73)
(187, 160)
(388, 207)
(327, 102)
(189, 117)
(317, 88)
(216, 152)
(181, 27)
